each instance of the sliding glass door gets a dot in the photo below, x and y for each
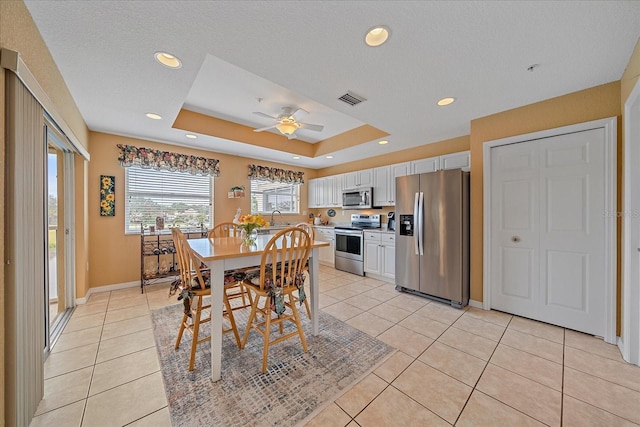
(59, 289)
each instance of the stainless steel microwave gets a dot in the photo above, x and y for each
(361, 198)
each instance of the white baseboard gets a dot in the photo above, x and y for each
(620, 345)
(381, 278)
(107, 288)
(476, 304)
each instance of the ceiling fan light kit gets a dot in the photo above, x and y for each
(287, 123)
(287, 128)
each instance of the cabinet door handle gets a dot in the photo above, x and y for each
(515, 239)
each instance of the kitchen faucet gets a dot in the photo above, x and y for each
(272, 223)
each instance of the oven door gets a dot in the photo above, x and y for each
(349, 244)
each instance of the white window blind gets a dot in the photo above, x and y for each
(267, 196)
(182, 199)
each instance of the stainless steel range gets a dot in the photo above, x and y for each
(349, 254)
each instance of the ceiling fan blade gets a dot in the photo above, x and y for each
(311, 126)
(264, 128)
(264, 115)
(299, 111)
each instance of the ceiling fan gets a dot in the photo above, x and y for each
(287, 123)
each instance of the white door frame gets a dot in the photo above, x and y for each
(630, 339)
(609, 126)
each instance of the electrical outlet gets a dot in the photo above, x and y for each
(304, 212)
(342, 213)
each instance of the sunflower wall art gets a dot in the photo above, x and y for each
(107, 195)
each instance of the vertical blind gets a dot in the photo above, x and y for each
(24, 251)
(182, 200)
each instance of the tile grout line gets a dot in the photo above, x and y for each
(93, 370)
(474, 388)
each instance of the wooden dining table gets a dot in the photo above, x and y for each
(228, 253)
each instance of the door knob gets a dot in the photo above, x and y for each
(515, 239)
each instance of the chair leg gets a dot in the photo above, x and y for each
(267, 331)
(181, 331)
(232, 320)
(306, 304)
(296, 318)
(196, 328)
(248, 292)
(252, 316)
(243, 291)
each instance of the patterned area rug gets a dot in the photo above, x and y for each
(294, 386)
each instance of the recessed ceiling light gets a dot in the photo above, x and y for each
(329, 157)
(377, 36)
(383, 142)
(154, 116)
(167, 60)
(296, 157)
(446, 101)
(190, 136)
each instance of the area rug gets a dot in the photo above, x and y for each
(295, 385)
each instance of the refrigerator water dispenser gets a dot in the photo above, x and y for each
(406, 225)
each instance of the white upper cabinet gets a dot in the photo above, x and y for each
(313, 192)
(460, 160)
(431, 164)
(357, 179)
(332, 186)
(400, 169)
(381, 186)
(384, 178)
(326, 192)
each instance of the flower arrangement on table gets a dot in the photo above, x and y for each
(250, 223)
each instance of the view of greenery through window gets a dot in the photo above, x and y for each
(267, 196)
(182, 200)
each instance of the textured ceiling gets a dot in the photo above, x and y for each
(308, 53)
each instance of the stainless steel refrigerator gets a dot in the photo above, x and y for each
(432, 235)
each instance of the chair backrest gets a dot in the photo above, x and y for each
(285, 256)
(308, 228)
(188, 263)
(224, 229)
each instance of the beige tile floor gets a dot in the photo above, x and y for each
(454, 367)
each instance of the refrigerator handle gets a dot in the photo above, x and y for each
(416, 228)
(421, 223)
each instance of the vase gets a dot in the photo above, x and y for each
(249, 239)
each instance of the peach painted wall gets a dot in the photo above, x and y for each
(631, 74)
(590, 104)
(114, 257)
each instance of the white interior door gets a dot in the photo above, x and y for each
(548, 230)
(515, 229)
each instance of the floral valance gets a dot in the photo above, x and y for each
(275, 175)
(166, 160)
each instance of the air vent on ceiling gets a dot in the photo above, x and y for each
(352, 99)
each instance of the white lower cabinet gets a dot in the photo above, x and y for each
(380, 254)
(326, 254)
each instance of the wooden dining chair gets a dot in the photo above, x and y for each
(308, 228)
(280, 275)
(312, 234)
(224, 229)
(230, 229)
(194, 287)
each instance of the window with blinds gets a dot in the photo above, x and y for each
(182, 199)
(267, 196)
